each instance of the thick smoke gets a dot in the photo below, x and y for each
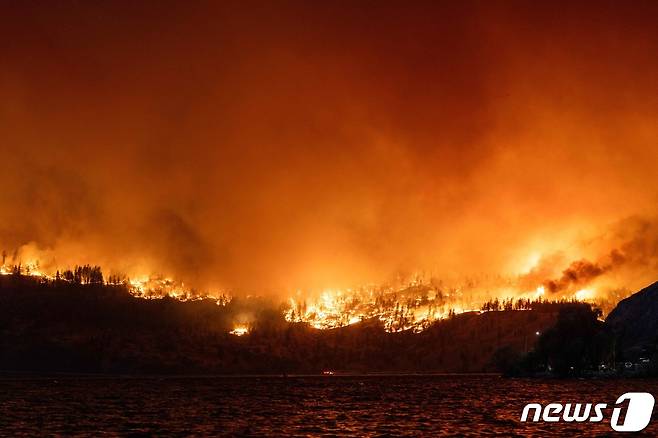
(583, 272)
(634, 256)
(309, 146)
(578, 273)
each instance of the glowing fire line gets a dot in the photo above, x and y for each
(414, 306)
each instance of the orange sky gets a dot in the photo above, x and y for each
(291, 144)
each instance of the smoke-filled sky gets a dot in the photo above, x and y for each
(277, 145)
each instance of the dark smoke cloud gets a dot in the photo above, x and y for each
(578, 273)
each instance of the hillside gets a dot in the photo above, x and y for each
(635, 322)
(103, 329)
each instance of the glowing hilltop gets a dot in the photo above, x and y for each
(414, 305)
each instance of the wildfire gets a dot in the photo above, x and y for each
(584, 295)
(157, 287)
(240, 330)
(414, 305)
(541, 290)
(411, 307)
(28, 269)
(145, 287)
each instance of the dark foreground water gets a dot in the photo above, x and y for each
(300, 406)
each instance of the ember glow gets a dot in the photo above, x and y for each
(240, 330)
(145, 287)
(497, 150)
(157, 287)
(413, 307)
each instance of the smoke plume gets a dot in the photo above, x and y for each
(297, 145)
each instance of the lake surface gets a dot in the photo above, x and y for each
(300, 406)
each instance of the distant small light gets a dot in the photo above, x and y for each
(537, 333)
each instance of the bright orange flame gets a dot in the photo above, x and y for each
(240, 330)
(411, 307)
(585, 295)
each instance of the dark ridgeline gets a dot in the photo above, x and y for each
(578, 344)
(77, 323)
(582, 344)
(635, 323)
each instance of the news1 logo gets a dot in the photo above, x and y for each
(637, 415)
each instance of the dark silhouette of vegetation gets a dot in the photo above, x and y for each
(75, 323)
(539, 304)
(579, 343)
(85, 275)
